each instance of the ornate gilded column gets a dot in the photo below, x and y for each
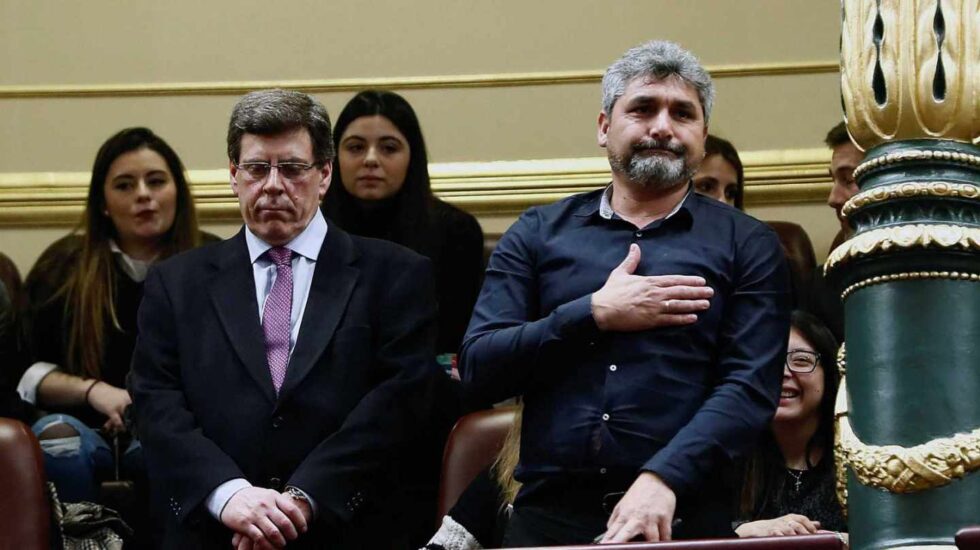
(909, 416)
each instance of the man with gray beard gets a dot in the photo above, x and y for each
(642, 377)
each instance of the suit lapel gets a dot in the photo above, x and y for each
(333, 282)
(232, 292)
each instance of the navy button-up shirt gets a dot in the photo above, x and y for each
(678, 401)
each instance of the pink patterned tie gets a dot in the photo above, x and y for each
(275, 316)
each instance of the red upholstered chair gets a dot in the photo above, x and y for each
(824, 541)
(25, 513)
(799, 252)
(968, 538)
(472, 446)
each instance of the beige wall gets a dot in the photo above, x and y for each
(72, 73)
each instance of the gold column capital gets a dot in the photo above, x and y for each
(910, 69)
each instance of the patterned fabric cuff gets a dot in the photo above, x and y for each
(453, 536)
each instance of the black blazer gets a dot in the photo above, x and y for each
(357, 388)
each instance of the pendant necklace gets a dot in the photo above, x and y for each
(797, 476)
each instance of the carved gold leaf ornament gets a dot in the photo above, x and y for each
(840, 465)
(915, 155)
(842, 360)
(904, 237)
(904, 190)
(909, 70)
(900, 469)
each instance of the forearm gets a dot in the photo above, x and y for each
(500, 354)
(724, 427)
(60, 389)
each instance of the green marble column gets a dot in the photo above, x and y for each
(909, 417)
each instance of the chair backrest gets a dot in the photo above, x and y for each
(799, 253)
(968, 538)
(25, 513)
(472, 446)
(823, 541)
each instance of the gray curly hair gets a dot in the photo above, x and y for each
(658, 59)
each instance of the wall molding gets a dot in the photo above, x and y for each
(493, 80)
(504, 187)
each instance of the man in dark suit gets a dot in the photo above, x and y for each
(279, 374)
(643, 376)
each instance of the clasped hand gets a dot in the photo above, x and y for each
(112, 402)
(629, 302)
(264, 519)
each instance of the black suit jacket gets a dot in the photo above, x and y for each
(356, 391)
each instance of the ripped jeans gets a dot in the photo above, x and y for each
(76, 464)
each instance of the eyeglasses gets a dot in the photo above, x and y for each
(802, 361)
(255, 172)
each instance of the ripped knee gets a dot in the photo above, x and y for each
(57, 430)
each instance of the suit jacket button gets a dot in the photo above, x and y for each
(275, 483)
(277, 421)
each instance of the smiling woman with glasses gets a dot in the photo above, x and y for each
(789, 481)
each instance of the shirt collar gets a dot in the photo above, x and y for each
(136, 269)
(306, 244)
(606, 210)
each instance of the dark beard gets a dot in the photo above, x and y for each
(654, 172)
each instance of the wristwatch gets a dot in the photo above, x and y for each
(296, 494)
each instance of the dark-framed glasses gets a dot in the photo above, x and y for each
(258, 171)
(801, 360)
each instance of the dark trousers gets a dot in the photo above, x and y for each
(575, 509)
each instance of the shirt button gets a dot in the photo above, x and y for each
(602, 470)
(612, 368)
(638, 234)
(605, 417)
